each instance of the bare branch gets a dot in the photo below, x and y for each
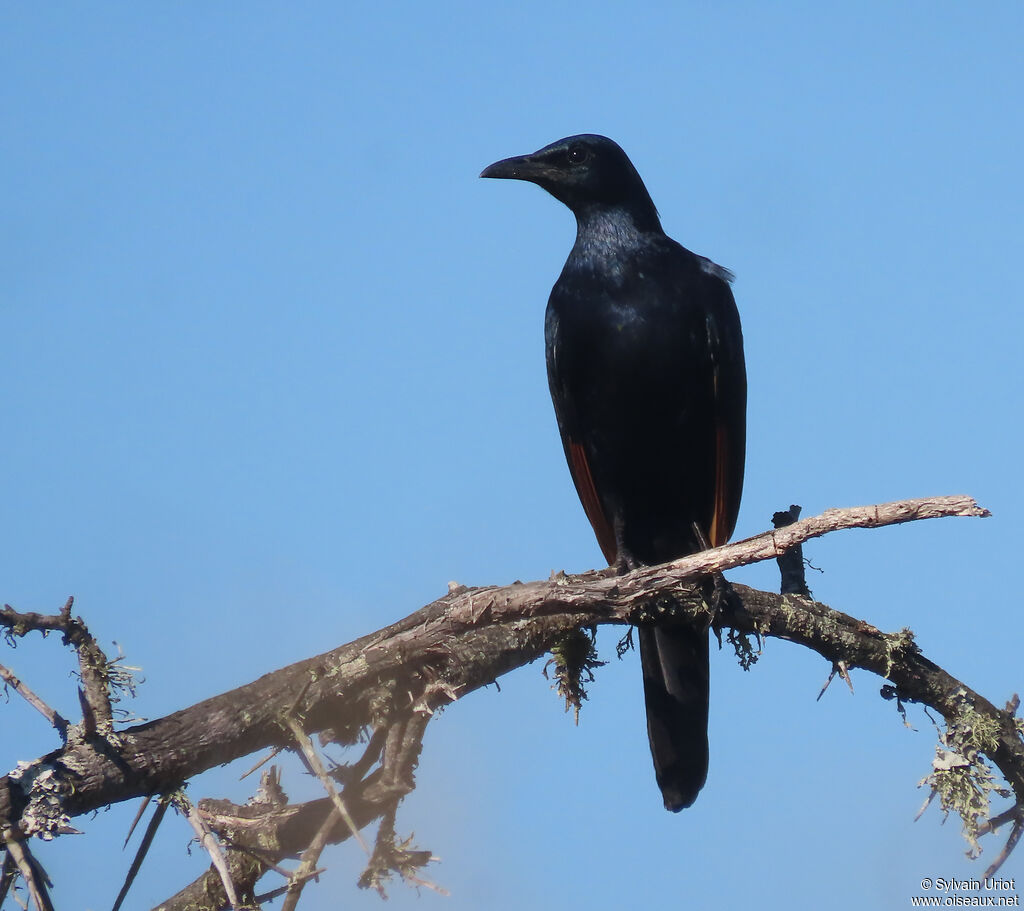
(30, 873)
(261, 763)
(8, 874)
(467, 639)
(389, 681)
(92, 662)
(308, 863)
(51, 715)
(249, 830)
(317, 767)
(770, 545)
(1011, 843)
(295, 881)
(209, 844)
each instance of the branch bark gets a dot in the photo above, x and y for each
(466, 640)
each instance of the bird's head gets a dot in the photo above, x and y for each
(585, 172)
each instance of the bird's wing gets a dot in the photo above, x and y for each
(729, 387)
(569, 428)
(579, 468)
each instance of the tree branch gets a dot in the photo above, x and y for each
(466, 640)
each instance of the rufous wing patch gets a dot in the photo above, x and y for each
(721, 526)
(720, 529)
(579, 466)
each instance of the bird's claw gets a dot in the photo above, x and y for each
(723, 595)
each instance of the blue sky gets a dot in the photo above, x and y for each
(273, 375)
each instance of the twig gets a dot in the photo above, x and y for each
(402, 751)
(210, 844)
(307, 866)
(770, 545)
(282, 890)
(268, 831)
(993, 824)
(92, 662)
(261, 763)
(1011, 843)
(51, 715)
(8, 873)
(30, 872)
(306, 745)
(389, 855)
(354, 773)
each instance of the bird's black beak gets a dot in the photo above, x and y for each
(522, 167)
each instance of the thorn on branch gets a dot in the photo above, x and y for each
(135, 821)
(209, 843)
(163, 803)
(839, 667)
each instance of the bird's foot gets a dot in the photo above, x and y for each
(625, 562)
(722, 596)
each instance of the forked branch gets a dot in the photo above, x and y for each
(463, 641)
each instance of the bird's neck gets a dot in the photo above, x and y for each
(604, 235)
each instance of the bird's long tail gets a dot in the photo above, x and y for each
(677, 680)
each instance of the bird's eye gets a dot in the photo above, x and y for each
(578, 153)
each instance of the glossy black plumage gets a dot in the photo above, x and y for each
(645, 365)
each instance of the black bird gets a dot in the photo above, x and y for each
(645, 365)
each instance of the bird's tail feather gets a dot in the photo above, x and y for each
(676, 668)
